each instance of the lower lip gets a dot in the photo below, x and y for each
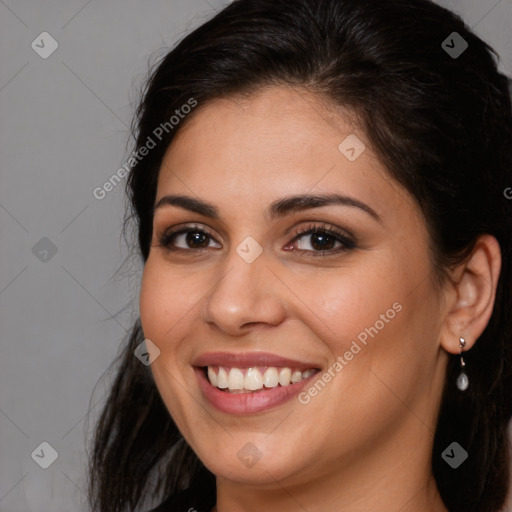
(246, 403)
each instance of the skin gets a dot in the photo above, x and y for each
(364, 442)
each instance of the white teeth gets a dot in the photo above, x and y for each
(285, 376)
(271, 378)
(212, 376)
(296, 376)
(235, 379)
(253, 379)
(222, 379)
(238, 380)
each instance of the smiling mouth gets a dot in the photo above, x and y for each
(253, 379)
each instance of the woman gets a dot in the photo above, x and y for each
(326, 298)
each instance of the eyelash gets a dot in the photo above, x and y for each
(347, 242)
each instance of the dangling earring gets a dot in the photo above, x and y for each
(462, 380)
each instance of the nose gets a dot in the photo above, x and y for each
(245, 295)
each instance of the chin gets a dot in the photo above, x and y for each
(251, 464)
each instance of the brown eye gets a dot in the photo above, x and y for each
(322, 240)
(313, 240)
(187, 239)
(196, 239)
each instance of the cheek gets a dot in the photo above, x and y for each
(165, 299)
(376, 316)
(374, 328)
(350, 300)
(166, 312)
(154, 304)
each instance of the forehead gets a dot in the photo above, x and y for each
(277, 140)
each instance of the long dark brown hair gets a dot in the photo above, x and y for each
(442, 125)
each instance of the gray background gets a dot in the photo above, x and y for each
(63, 132)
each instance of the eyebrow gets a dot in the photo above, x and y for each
(279, 208)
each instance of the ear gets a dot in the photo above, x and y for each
(469, 298)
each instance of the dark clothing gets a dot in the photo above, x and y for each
(201, 496)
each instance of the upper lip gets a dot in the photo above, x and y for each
(249, 360)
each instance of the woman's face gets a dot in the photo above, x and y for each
(243, 288)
